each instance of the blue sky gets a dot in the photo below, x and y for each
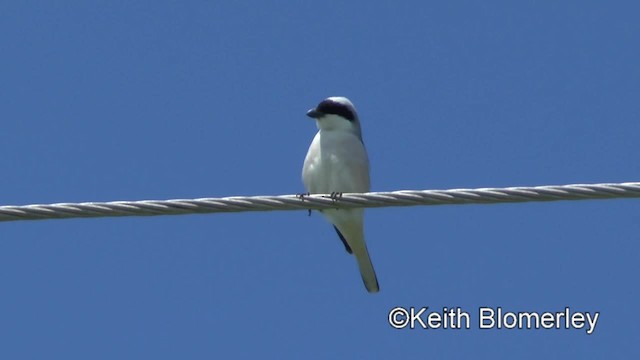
(142, 100)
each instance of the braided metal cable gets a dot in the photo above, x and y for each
(321, 201)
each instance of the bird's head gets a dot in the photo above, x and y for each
(336, 113)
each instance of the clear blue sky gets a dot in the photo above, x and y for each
(158, 100)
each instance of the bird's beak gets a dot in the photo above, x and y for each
(313, 113)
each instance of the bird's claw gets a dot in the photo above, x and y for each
(301, 197)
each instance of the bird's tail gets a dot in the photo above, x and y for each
(355, 237)
(366, 268)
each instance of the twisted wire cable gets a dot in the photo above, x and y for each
(321, 201)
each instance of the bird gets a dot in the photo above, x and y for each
(337, 163)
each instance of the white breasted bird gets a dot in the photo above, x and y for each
(337, 162)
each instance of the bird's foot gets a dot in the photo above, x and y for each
(301, 197)
(335, 196)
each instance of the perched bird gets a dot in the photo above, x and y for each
(336, 163)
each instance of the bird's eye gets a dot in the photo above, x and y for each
(332, 107)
